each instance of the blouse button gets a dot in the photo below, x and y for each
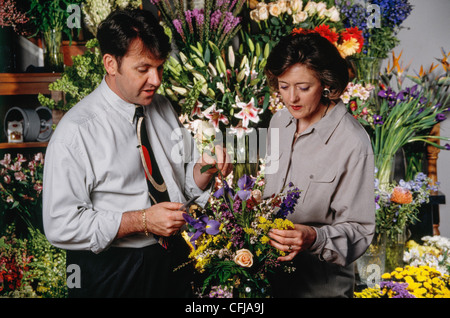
(311, 176)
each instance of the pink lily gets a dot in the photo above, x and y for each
(215, 116)
(248, 112)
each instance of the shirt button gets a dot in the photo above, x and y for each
(311, 176)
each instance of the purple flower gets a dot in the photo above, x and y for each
(440, 117)
(178, 27)
(225, 190)
(447, 147)
(378, 119)
(201, 225)
(399, 289)
(245, 184)
(288, 204)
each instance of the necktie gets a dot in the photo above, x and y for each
(156, 187)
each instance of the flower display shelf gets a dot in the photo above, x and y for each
(26, 83)
(11, 145)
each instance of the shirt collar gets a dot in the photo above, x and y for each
(124, 108)
(326, 125)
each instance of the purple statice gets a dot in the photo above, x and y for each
(378, 119)
(231, 225)
(399, 289)
(188, 16)
(199, 16)
(215, 20)
(230, 22)
(288, 204)
(178, 27)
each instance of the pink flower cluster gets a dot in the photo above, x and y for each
(20, 179)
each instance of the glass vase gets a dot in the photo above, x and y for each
(367, 68)
(395, 248)
(53, 57)
(371, 265)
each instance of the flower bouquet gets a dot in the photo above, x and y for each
(20, 191)
(229, 238)
(380, 21)
(397, 204)
(275, 19)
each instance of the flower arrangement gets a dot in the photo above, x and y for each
(434, 252)
(394, 119)
(230, 238)
(348, 41)
(226, 90)
(276, 19)
(397, 204)
(20, 190)
(379, 20)
(11, 15)
(217, 22)
(77, 80)
(95, 11)
(410, 282)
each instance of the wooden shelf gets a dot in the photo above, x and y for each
(26, 83)
(12, 145)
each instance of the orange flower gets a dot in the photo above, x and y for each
(325, 31)
(401, 196)
(353, 33)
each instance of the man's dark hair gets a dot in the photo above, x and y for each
(122, 27)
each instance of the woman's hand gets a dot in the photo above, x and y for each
(292, 241)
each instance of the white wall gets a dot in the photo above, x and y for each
(429, 31)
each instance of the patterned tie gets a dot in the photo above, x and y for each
(156, 187)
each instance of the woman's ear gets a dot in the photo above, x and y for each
(110, 64)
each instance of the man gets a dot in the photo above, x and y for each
(97, 202)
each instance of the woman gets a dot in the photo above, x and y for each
(327, 154)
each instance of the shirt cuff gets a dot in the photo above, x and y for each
(319, 243)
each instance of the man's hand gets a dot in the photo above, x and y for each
(219, 160)
(165, 218)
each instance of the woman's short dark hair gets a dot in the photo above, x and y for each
(316, 53)
(121, 27)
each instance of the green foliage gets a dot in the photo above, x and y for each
(51, 14)
(47, 269)
(31, 267)
(78, 80)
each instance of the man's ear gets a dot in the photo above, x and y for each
(110, 64)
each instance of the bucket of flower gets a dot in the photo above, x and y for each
(229, 239)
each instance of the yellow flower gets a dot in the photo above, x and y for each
(348, 47)
(386, 276)
(265, 239)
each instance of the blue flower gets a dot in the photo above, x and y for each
(201, 225)
(224, 190)
(378, 119)
(245, 184)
